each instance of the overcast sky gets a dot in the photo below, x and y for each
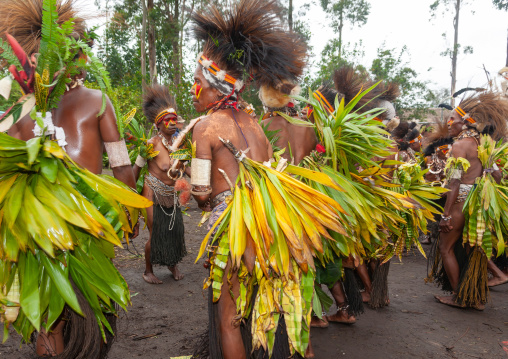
(408, 22)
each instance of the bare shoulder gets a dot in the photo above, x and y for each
(201, 128)
(463, 146)
(276, 122)
(154, 140)
(90, 94)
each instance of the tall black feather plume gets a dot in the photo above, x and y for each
(466, 89)
(446, 106)
(249, 39)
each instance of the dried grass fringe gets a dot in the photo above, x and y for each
(82, 336)
(379, 295)
(353, 295)
(473, 288)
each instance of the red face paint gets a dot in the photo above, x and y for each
(309, 110)
(196, 90)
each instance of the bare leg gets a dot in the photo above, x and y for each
(498, 276)
(51, 344)
(148, 275)
(309, 353)
(363, 272)
(446, 248)
(231, 337)
(342, 315)
(177, 275)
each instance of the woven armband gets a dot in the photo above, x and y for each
(117, 154)
(201, 172)
(456, 173)
(140, 161)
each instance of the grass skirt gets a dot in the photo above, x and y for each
(210, 346)
(167, 246)
(472, 289)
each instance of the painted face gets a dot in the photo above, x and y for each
(202, 93)
(455, 124)
(416, 146)
(442, 151)
(196, 90)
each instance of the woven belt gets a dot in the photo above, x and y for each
(221, 197)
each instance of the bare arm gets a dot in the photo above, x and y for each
(136, 170)
(109, 133)
(498, 176)
(458, 150)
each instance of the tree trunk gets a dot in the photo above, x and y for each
(174, 43)
(142, 45)
(151, 43)
(290, 15)
(180, 40)
(455, 50)
(341, 25)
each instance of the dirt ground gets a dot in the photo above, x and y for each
(174, 314)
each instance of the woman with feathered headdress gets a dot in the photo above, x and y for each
(471, 172)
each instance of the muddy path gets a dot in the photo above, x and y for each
(174, 314)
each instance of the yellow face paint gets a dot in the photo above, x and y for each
(196, 90)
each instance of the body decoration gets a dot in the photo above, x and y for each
(164, 194)
(201, 172)
(117, 154)
(223, 82)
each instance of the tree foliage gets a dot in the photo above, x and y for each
(355, 12)
(416, 97)
(501, 4)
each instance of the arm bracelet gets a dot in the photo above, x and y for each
(446, 219)
(117, 154)
(140, 161)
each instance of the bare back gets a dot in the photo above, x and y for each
(208, 146)
(302, 140)
(85, 132)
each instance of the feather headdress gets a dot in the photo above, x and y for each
(431, 148)
(485, 109)
(349, 82)
(158, 104)
(439, 131)
(23, 21)
(400, 131)
(247, 41)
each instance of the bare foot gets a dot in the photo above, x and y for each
(494, 281)
(309, 353)
(177, 275)
(315, 322)
(365, 296)
(151, 278)
(341, 317)
(448, 300)
(480, 307)
(426, 240)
